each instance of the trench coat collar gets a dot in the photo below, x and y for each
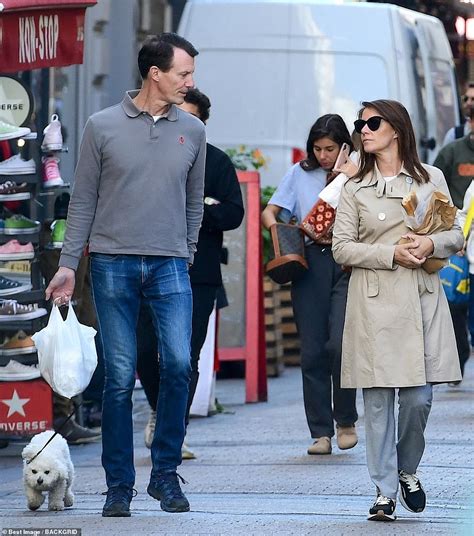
(395, 188)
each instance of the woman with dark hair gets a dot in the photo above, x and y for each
(398, 332)
(319, 297)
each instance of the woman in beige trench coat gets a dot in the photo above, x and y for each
(398, 331)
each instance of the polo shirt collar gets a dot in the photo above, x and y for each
(132, 111)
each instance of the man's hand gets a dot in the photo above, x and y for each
(421, 246)
(61, 287)
(404, 257)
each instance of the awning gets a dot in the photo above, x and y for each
(41, 33)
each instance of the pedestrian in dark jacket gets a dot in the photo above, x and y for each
(223, 211)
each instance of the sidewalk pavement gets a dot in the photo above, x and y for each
(253, 476)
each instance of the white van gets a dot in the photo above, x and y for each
(272, 67)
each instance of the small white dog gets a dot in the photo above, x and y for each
(51, 471)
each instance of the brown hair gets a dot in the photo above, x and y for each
(397, 116)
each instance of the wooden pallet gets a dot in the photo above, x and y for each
(290, 338)
(273, 336)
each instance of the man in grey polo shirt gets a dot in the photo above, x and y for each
(138, 201)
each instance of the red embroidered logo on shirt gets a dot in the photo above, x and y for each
(181, 140)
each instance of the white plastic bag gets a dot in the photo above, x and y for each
(67, 354)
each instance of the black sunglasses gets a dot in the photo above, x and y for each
(373, 123)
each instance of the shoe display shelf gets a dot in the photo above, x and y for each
(34, 393)
(36, 294)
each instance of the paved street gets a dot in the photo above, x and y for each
(253, 476)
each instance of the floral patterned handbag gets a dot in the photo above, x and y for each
(319, 222)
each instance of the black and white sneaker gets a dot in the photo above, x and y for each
(412, 495)
(382, 510)
(9, 286)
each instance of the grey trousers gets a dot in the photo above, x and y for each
(385, 456)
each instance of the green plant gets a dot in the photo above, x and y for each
(244, 158)
(265, 195)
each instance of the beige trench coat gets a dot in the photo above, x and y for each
(398, 330)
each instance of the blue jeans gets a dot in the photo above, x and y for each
(119, 284)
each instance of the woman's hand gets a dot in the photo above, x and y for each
(404, 256)
(421, 246)
(348, 168)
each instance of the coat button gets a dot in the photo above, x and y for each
(409, 180)
(382, 216)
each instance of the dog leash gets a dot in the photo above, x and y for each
(55, 433)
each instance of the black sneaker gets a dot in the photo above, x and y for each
(166, 489)
(412, 495)
(9, 286)
(382, 510)
(118, 502)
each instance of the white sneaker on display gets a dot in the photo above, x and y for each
(10, 132)
(17, 371)
(53, 139)
(15, 165)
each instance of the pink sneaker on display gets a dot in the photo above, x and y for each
(53, 139)
(13, 250)
(51, 175)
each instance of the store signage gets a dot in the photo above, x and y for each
(25, 407)
(41, 38)
(16, 101)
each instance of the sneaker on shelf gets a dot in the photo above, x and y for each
(14, 371)
(16, 268)
(9, 286)
(11, 191)
(10, 132)
(58, 228)
(11, 311)
(15, 165)
(13, 250)
(53, 139)
(19, 224)
(382, 510)
(412, 495)
(20, 343)
(149, 433)
(74, 433)
(51, 175)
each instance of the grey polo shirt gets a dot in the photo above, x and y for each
(138, 184)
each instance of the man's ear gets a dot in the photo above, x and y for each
(154, 73)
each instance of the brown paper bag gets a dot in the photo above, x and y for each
(428, 216)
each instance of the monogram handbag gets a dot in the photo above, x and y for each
(288, 261)
(319, 222)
